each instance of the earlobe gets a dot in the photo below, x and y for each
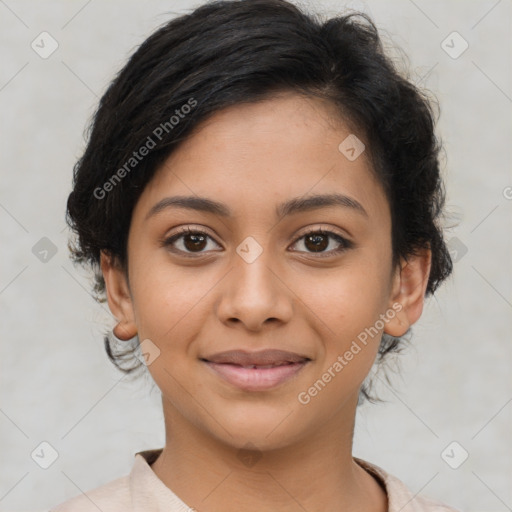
(408, 292)
(118, 296)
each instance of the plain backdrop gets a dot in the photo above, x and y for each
(58, 387)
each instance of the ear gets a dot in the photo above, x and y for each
(408, 292)
(118, 296)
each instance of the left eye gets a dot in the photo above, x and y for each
(319, 241)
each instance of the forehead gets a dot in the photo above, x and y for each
(253, 156)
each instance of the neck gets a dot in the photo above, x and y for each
(318, 474)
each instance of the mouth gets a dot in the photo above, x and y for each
(256, 371)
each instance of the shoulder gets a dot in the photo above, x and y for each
(136, 491)
(111, 497)
(400, 498)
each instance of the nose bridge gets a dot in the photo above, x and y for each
(253, 292)
(253, 276)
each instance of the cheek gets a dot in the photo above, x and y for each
(347, 305)
(347, 309)
(166, 297)
(347, 299)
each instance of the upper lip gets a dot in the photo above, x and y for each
(261, 357)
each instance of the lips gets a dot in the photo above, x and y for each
(256, 371)
(261, 358)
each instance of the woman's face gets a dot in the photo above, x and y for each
(259, 276)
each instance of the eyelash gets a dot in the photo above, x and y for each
(346, 244)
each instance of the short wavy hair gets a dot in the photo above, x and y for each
(231, 52)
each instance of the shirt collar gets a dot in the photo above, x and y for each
(150, 494)
(147, 491)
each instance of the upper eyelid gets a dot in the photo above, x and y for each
(324, 229)
(184, 230)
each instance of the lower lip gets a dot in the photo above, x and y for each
(256, 379)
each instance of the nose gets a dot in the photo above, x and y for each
(255, 294)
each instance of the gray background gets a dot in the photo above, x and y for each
(57, 384)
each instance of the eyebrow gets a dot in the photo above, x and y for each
(295, 205)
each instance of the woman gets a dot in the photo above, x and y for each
(259, 199)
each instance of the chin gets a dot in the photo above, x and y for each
(258, 425)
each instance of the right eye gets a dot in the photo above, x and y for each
(188, 242)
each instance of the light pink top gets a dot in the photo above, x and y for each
(143, 491)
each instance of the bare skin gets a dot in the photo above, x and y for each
(193, 300)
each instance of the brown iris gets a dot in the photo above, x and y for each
(319, 242)
(194, 242)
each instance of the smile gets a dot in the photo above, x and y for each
(256, 371)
